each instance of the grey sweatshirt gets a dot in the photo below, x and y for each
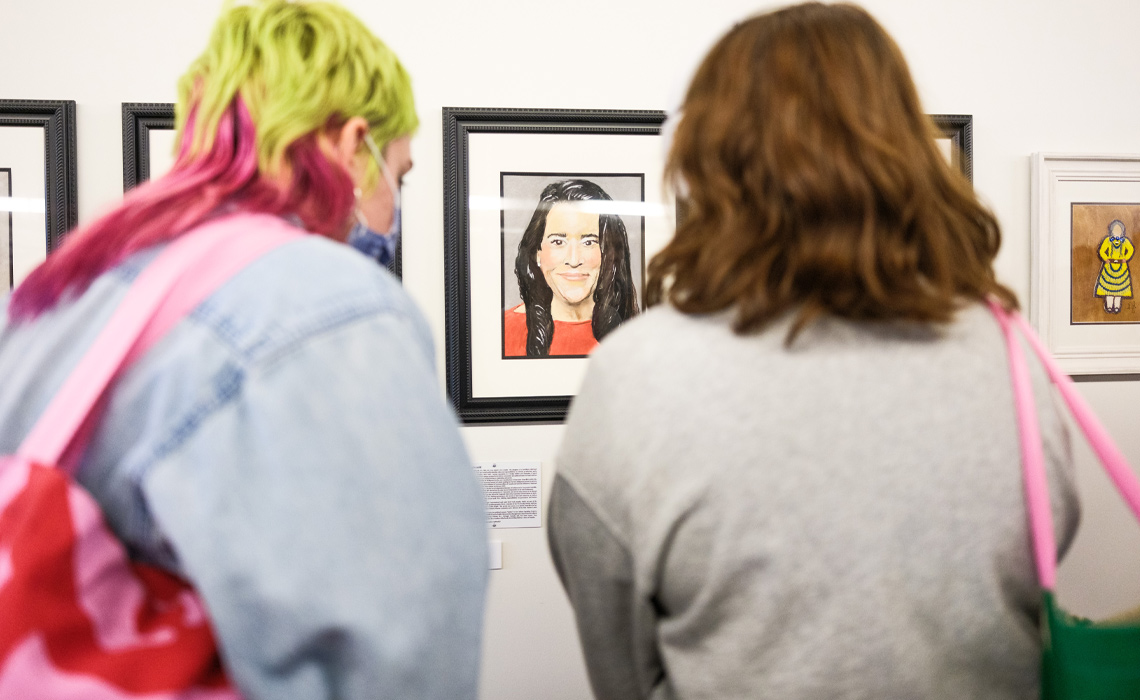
(732, 518)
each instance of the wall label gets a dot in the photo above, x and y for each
(512, 492)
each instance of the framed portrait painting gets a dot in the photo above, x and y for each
(549, 218)
(39, 203)
(1085, 219)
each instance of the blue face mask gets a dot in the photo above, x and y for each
(378, 246)
(381, 247)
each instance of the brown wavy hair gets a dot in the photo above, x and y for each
(810, 180)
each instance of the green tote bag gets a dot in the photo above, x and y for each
(1081, 659)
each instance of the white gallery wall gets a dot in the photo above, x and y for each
(1037, 76)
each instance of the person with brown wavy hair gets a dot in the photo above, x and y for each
(797, 474)
(821, 188)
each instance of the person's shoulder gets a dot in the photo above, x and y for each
(514, 332)
(514, 321)
(304, 287)
(662, 318)
(317, 267)
(664, 331)
(313, 272)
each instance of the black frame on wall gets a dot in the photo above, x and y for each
(458, 124)
(61, 190)
(138, 119)
(959, 128)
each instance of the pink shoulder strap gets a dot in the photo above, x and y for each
(1032, 455)
(181, 277)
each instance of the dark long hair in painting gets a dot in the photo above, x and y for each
(615, 297)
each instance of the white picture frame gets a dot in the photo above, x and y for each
(1076, 199)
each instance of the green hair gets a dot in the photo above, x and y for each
(298, 67)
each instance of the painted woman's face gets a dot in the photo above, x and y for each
(571, 253)
(1116, 230)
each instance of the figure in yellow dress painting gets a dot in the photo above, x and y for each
(1115, 281)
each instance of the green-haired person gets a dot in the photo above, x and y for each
(285, 447)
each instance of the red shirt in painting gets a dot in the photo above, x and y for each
(570, 337)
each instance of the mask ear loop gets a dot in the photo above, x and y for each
(357, 211)
(393, 187)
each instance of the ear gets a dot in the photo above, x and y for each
(346, 144)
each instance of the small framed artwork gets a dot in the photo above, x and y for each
(149, 150)
(549, 219)
(957, 141)
(148, 141)
(1085, 219)
(39, 203)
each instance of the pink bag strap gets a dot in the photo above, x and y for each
(1032, 453)
(187, 271)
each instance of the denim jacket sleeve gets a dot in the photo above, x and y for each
(328, 549)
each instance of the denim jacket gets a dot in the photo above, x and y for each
(287, 449)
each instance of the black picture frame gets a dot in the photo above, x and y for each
(458, 125)
(61, 189)
(959, 128)
(6, 231)
(139, 118)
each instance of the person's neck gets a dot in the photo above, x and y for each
(582, 311)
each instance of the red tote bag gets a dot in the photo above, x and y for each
(78, 619)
